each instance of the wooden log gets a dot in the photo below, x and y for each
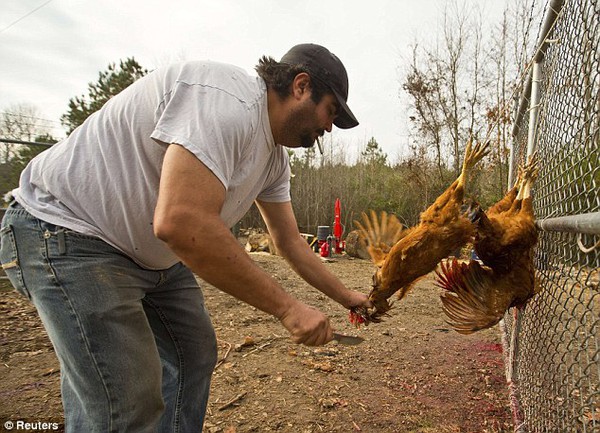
(355, 246)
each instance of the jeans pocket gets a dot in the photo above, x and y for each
(9, 259)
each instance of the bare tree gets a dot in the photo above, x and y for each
(445, 83)
(19, 122)
(423, 86)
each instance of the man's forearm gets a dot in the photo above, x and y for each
(220, 260)
(308, 266)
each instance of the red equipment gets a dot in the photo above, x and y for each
(338, 229)
(327, 244)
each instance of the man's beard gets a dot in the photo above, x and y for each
(306, 141)
(300, 117)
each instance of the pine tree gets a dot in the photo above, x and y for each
(110, 82)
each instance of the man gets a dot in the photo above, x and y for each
(109, 224)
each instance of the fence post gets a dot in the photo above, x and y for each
(534, 107)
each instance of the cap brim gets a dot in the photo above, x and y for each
(345, 119)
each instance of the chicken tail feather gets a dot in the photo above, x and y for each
(468, 299)
(380, 233)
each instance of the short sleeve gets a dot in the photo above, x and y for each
(207, 121)
(277, 188)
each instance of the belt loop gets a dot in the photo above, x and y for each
(62, 246)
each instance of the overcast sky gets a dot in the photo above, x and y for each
(49, 55)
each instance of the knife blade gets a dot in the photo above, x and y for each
(348, 340)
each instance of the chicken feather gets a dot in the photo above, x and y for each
(380, 233)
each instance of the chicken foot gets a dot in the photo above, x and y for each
(472, 156)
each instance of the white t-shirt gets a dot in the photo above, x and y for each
(103, 179)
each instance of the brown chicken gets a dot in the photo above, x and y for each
(442, 230)
(477, 296)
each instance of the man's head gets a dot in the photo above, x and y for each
(319, 69)
(325, 67)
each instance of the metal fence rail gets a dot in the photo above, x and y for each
(552, 346)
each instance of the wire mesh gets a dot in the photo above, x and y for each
(554, 340)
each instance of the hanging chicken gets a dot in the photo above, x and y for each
(477, 296)
(441, 231)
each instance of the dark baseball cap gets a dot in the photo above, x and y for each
(327, 68)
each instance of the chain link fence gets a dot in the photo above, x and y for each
(552, 346)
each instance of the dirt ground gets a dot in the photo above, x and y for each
(411, 374)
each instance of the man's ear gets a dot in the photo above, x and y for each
(301, 85)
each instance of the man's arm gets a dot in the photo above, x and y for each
(187, 218)
(283, 229)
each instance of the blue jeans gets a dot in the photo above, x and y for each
(136, 347)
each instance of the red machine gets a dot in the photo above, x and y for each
(338, 229)
(328, 243)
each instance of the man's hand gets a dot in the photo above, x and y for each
(356, 299)
(307, 325)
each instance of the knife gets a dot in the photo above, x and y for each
(347, 339)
